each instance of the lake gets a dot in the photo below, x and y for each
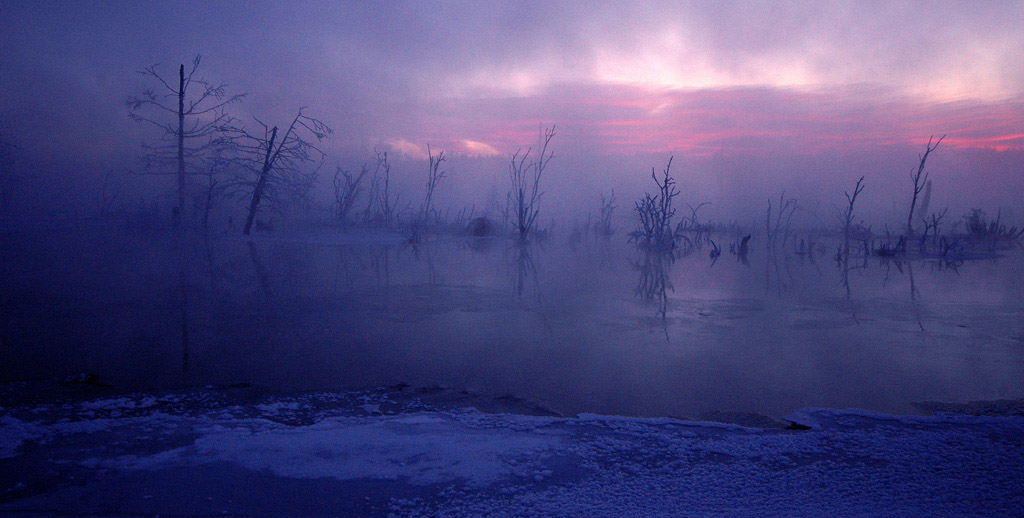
(586, 325)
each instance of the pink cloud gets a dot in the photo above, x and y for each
(618, 119)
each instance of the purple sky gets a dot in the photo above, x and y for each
(794, 83)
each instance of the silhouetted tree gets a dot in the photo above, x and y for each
(604, 224)
(851, 199)
(347, 188)
(190, 114)
(434, 176)
(523, 200)
(920, 179)
(656, 213)
(272, 164)
(380, 205)
(846, 218)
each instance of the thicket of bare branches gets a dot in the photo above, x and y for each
(656, 212)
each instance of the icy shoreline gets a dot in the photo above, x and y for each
(366, 453)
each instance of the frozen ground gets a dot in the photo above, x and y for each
(426, 452)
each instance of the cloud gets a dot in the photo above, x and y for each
(803, 76)
(410, 149)
(479, 148)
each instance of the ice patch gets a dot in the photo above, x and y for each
(422, 448)
(14, 433)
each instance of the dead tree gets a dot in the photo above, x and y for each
(346, 191)
(786, 210)
(277, 161)
(656, 213)
(434, 176)
(920, 179)
(190, 114)
(692, 223)
(847, 216)
(604, 224)
(380, 206)
(932, 224)
(850, 200)
(523, 200)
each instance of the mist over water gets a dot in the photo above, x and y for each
(574, 323)
(124, 257)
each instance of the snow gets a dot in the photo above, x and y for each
(253, 459)
(421, 448)
(14, 433)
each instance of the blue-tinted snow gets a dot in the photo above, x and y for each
(198, 453)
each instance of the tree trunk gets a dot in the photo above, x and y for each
(180, 207)
(261, 184)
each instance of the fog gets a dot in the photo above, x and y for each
(748, 110)
(511, 258)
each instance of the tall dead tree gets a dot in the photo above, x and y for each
(920, 179)
(524, 198)
(434, 176)
(280, 178)
(190, 114)
(847, 216)
(347, 188)
(380, 205)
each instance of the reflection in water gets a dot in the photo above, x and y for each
(519, 260)
(654, 284)
(570, 331)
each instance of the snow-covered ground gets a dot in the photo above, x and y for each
(416, 452)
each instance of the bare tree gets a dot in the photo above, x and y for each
(273, 165)
(786, 209)
(347, 189)
(190, 113)
(847, 217)
(920, 179)
(692, 224)
(524, 198)
(932, 224)
(608, 206)
(380, 205)
(434, 176)
(656, 213)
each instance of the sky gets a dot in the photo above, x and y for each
(743, 93)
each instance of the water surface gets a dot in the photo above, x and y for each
(590, 325)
